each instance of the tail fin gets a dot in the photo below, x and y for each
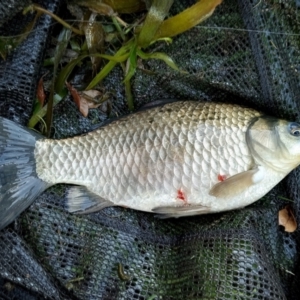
(19, 184)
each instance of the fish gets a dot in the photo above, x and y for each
(179, 159)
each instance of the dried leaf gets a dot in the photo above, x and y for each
(287, 219)
(92, 94)
(87, 99)
(106, 7)
(84, 108)
(126, 6)
(97, 6)
(74, 93)
(94, 35)
(40, 93)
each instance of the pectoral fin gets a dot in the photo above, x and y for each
(180, 211)
(238, 183)
(80, 200)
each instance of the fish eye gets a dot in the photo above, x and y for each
(294, 129)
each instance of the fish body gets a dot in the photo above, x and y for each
(179, 159)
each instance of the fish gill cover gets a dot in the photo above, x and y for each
(247, 52)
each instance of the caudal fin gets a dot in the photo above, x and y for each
(19, 184)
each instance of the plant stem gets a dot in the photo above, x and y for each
(118, 27)
(158, 11)
(40, 9)
(122, 52)
(128, 94)
(42, 112)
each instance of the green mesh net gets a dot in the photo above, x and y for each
(247, 53)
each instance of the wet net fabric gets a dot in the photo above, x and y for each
(247, 53)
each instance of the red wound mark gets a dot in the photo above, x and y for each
(181, 196)
(221, 177)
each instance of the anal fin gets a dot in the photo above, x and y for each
(165, 212)
(81, 200)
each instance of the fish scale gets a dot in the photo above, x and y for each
(143, 160)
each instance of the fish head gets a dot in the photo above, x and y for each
(275, 143)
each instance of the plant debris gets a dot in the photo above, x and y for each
(87, 99)
(8, 44)
(121, 273)
(101, 40)
(40, 93)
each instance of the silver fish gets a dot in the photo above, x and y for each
(179, 159)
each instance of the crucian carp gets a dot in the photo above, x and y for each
(179, 159)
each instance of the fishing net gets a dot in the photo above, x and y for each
(248, 52)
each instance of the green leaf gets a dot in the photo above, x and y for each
(66, 71)
(158, 55)
(40, 112)
(187, 19)
(62, 43)
(75, 45)
(121, 55)
(131, 64)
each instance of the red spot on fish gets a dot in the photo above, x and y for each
(181, 196)
(221, 177)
